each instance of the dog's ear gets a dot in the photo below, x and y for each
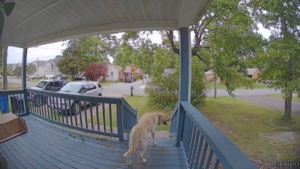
(160, 118)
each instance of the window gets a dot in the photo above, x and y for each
(92, 86)
(111, 74)
(51, 67)
(56, 84)
(50, 84)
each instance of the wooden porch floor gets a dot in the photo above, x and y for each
(49, 146)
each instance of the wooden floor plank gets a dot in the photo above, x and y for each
(25, 154)
(30, 151)
(45, 155)
(108, 148)
(108, 155)
(75, 156)
(17, 156)
(102, 144)
(11, 165)
(48, 146)
(63, 131)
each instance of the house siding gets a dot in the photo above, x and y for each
(113, 74)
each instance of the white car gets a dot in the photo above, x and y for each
(89, 88)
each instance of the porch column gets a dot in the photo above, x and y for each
(184, 78)
(24, 78)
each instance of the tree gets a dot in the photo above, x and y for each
(228, 32)
(5, 83)
(30, 69)
(95, 71)
(17, 71)
(279, 59)
(136, 49)
(84, 51)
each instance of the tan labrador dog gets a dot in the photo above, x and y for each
(139, 132)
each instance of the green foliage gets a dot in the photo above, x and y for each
(225, 40)
(84, 51)
(17, 71)
(163, 90)
(136, 49)
(31, 68)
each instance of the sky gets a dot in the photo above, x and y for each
(49, 51)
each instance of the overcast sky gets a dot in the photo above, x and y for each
(49, 51)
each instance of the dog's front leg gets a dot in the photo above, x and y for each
(153, 136)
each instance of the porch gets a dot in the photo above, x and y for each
(49, 146)
(53, 140)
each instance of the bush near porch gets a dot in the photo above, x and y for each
(245, 124)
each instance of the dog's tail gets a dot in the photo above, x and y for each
(133, 144)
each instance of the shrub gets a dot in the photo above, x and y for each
(163, 90)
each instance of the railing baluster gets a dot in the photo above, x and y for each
(203, 155)
(192, 144)
(192, 160)
(110, 118)
(64, 113)
(70, 112)
(189, 140)
(207, 165)
(91, 114)
(74, 102)
(185, 130)
(103, 114)
(216, 163)
(199, 151)
(97, 114)
(75, 115)
(53, 109)
(86, 123)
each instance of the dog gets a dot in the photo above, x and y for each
(138, 134)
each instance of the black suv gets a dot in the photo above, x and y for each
(49, 85)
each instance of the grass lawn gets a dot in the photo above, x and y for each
(34, 80)
(11, 86)
(210, 85)
(136, 102)
(295, 98)
(256, 130)
(253, 128)
(107, 83)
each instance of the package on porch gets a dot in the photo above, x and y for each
(11, 126)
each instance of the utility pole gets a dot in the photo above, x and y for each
(37, 68)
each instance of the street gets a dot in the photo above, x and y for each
(121, 89)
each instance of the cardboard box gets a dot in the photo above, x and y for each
(11, 126)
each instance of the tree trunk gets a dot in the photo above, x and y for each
(5, 84)
(288, 108)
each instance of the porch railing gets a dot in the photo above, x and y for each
(99, 115)
(202, 144)
(12, 101)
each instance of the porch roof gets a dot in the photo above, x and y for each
(36, 22)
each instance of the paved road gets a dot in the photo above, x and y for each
(121, 89)
(272, 102)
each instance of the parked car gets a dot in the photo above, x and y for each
(48, 84)
(35, 77)
(88, 88)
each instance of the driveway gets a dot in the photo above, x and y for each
(272, 102)
(122, 89)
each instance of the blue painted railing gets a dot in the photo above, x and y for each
(99, 115)
(12, 101)
(202, 144)
(174, 120)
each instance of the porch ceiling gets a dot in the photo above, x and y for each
(37, 22)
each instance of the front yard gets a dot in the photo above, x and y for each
(210, 85)
(256, 130)
(295, 98)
